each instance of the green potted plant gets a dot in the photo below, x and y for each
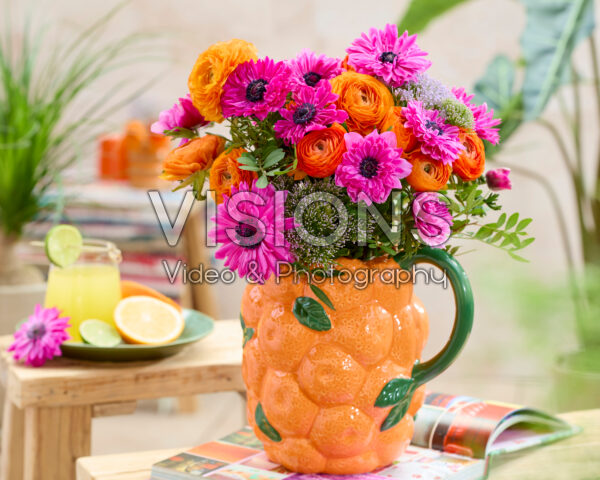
(552, 32)
(42, 133)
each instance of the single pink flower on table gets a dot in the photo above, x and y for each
(309, 69)
(438, 139)
(371, 167)
(384, 54)
(498, 179)
(181, 115)
(251, 224)
(255, 88)
(39, 338)
(312, 109)
(485, 123)
(432, 219)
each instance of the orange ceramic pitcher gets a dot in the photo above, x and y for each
(340, 397)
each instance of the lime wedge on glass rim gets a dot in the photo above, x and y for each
(99, 333)
(63, 244)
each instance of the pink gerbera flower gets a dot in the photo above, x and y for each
(309, 69)
(484, 118)
(255, 88)
(371, 167)
(40, 337)
(181, 115)
(438, 139)
(312, 109)
(382, 53)
(250, 224)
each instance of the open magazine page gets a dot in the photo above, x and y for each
(453, 436)
(474, 428)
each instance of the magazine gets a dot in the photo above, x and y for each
(456, 437)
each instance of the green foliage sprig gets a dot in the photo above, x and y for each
(41, 134)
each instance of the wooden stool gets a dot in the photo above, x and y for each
(48, 411)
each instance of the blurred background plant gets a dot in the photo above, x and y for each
(519, 90)
(44, 125)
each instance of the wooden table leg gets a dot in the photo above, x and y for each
(12, 442)
(54, 438)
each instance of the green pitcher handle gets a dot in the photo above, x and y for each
(463, 320)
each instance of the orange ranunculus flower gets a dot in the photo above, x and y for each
(225, 173)
(427, 175)
(471, 163)
(345, 65)
(395, 122)
(366, 100)
(320, 151)
(210, 72)
(197, 154)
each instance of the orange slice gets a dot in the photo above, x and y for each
(147, 321)
(130, 288)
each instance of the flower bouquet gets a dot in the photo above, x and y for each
(333, 172)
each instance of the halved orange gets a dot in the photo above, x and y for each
(147, 321)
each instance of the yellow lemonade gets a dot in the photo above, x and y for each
(83, 291)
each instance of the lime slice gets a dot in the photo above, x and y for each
(99, 333)
(63, 245)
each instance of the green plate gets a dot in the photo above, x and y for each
(197, 326)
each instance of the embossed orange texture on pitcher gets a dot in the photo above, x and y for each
(317, 389)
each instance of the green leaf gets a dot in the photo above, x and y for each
(526, 242)
(553, 30)
(248, 332)
(484, 232)
(394, 391)
(274, 158)
(523, 224)
(517, 257)
(262, 182)
(396, 414)
(496, 238)
(246, 159)
(264, 425)
(321, 295)
(420, 13)
(311, 314)
(496, 89)
(249, 167)
(512, 221)
(500, 221)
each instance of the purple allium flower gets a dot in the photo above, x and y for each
(251, 224)
(498, 179)
(312, 109)
(382, 53)
(371, 167)
(432, 219)
(485, 122)
(425, 89)
(309, 69)
(180, 115)
(255, 88)
(438, 139)
(39, 338)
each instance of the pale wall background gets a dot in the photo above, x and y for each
(496, 362)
